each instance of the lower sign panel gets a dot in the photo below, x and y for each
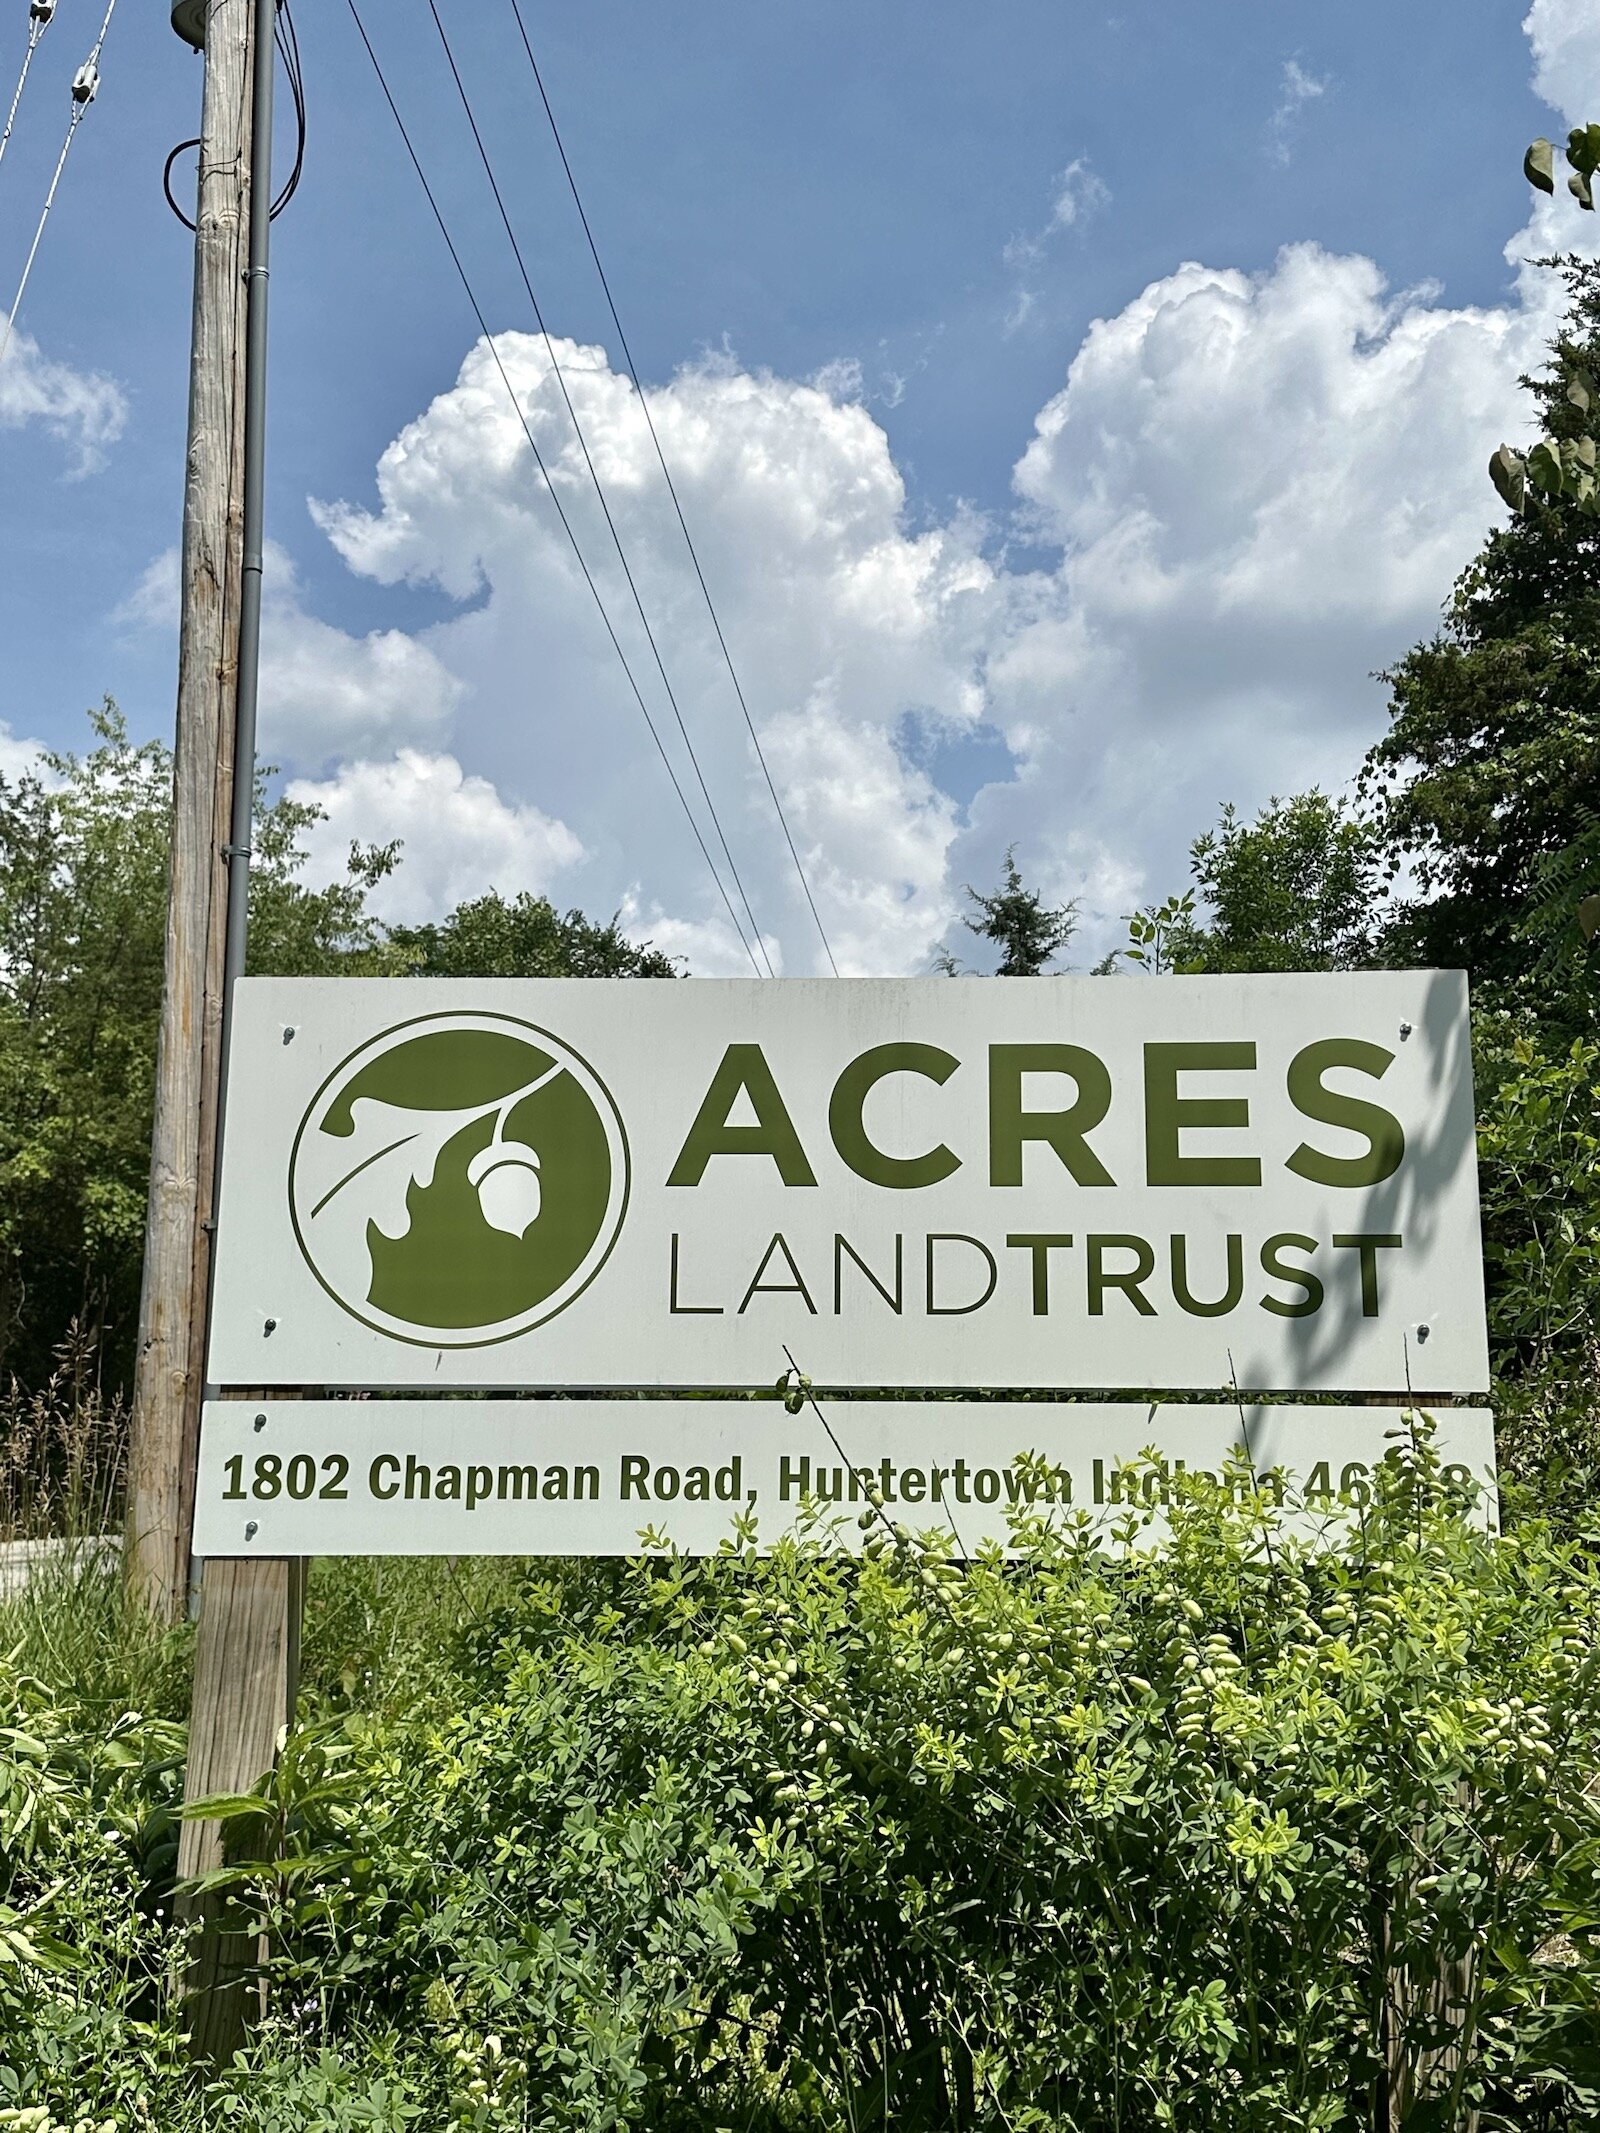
(610, 1477)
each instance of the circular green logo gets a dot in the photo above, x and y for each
(459, 1179)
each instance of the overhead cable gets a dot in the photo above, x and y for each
(633, 373)
(599, 487)
(538, 460)
(39, 17)
(288, 45)
(289, 51)
(85, 88)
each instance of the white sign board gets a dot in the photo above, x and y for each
(1101, 1183)
(589, 1477)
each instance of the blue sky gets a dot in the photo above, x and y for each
(910, 217)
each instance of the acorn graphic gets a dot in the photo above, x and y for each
(506, 1175)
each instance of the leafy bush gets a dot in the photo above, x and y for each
(1215, 1835)
(1539, 1150)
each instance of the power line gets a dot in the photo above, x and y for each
(85, 88)
(538, 460)
(599, 487)
(633, 372)
(288, 45)
(39, 16)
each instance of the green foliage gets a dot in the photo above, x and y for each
(525, 938)
(314, 933)
(1583, 153)
(82, 891)
(1539, 1152)
(1562, 921)
(83, 873)
(1558, 469)
(804, 1841)
(1485, 783)
(1297, 889)
(1161, 936)
(1028, 932)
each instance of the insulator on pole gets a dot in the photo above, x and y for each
(189, 20)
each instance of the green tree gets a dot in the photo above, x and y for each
(1028, 932)
(1487, 778)
(83, 879)
(523, 937)
(296, 931)
(1294, 890)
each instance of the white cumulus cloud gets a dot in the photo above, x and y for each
(1249, 491)
(840, 618)
(18, 758)
(86, 410)
(1261, 487)
(325, 694)
(1565, 35)
(459, 837)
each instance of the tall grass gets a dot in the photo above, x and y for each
(63, 1451)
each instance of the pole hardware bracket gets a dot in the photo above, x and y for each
(234, 851)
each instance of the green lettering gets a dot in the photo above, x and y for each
(1040, 1243)
(1167, 1115)
(1184, 1297)
(1385, 1136)
(797, 1287)
(850, 1093)
(1101, 1277)
(1369, 1244)
(1272, 1264)
(744, 1069)
(1010, 1125)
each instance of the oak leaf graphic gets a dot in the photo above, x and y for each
(364, 1178)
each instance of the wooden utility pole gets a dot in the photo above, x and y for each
(247, 1651)
(177, 1268)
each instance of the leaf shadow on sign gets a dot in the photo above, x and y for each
(1415, 1204)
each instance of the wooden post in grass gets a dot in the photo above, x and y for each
(247, 1665)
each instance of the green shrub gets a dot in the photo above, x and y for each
(1539, 1151)
(1220, 1834)
(1212, 1836)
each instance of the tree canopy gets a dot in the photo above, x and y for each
(1489, 775)
(524, 937)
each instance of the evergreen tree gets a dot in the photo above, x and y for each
(1489, 776)
(1026, 930)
